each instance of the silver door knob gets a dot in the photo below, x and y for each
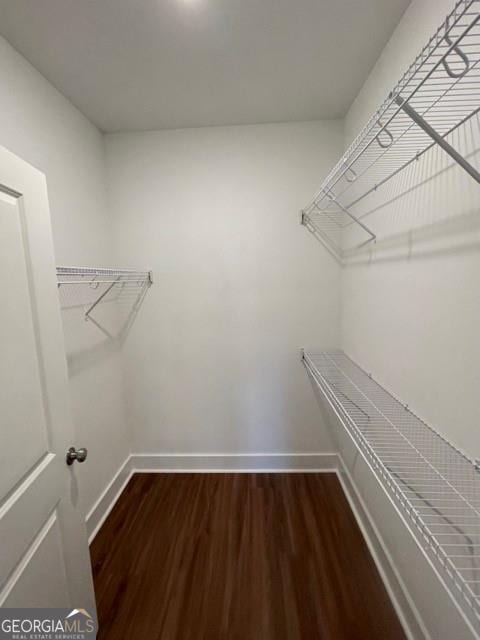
(79, 455)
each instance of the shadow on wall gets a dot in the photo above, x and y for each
(113, 317)
(448, 237)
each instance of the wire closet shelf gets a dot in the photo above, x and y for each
(439, 92)
(433, 484)
(99, 283)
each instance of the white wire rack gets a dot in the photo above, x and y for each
(438, 93)
(100, 285)
(435, 485)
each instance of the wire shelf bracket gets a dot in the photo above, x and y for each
(102, 281)
(438, 93)
(433, 484)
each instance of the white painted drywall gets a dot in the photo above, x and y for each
(411, 305)
(42, 127)
(213, 359)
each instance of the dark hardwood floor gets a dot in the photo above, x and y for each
(237, 557)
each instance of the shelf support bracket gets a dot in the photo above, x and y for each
(350, 215)
(100, 298)
(423, 124)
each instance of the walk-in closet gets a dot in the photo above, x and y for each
(239, 354)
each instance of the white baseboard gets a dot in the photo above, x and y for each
(264, 463)
(238, 462)
(105, 503)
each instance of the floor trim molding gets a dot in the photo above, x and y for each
(107, 500)
(238, 462)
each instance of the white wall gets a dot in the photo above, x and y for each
(43, 128)
(213, 359)
(411, 305)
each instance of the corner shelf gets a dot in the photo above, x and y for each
(438, 93)
(434, 485)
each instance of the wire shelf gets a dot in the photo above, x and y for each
(100, 285)
(439, 92)
(435, 485)
(95, 275)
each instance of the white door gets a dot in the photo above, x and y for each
(44, 560)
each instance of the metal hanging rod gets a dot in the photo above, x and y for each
(434, 485)
(439, 92)
(436, 137)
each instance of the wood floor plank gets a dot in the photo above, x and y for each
(237, 557)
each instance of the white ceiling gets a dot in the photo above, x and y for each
(153, 64)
